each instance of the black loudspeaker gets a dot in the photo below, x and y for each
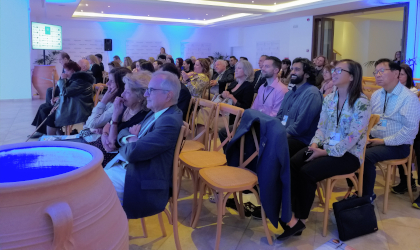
(108, 44)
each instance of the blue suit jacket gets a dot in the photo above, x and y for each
(149, 172)
(271, 165)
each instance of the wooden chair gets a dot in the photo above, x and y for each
(368, 80)
(98, 89)
(390, 167)
(357, 182)
(196, 160)
(200, 141)
(231, 180)
(190, 105)
(172, 212)
(369, 89)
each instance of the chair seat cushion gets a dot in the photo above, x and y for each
(191, 145)
(203, 159)
(225, 177)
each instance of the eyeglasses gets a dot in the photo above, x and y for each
(338, 70)
(150, 90)
(379, 71)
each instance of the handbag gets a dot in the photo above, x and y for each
(355, 217)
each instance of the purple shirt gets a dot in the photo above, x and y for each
(269, 98)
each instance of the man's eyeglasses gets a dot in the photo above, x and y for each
(150, 90)
(381, 71)
(339, 70)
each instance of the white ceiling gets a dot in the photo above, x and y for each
(191, 12)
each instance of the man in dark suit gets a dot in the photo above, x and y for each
(99, 56)
(224, 77)
(258, 78)
(142, 171)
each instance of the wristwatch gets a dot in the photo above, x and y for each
(112, 122)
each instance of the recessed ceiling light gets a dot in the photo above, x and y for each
(275, 3)
(188, 18)
(87, 4)
(207, 14)
(222, 15)
(102, 12)
(252, 1)
(109, 6)
(148, 15)
(204, 19)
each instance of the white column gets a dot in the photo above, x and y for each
(15, 72)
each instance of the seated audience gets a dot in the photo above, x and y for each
(102, 113)
(170, 60)
(333, 63)
(285, 73)
(258, 79)
(188, 66)
(95, 68)
(162, 58)
(151, 59)
(117, 59)
(142, 61)
(327, 85)
(179, 64)
(157, 65)
(224, 77)
(300, 109)
(242, 58)
(406, 78)
(399, 124)
(127, 62)
(193, 59)
(84, 66)
(142, 171)
(129, 110)
(147, 66)
(162, 52)
(112, 65)
(75, 102)
(210, 69)
(337, 147)
(197, 81)
(271, 93)
(320, 63)
(184, 94)
(99, 57)
(133, 67)
(137, 68)
(232, 62)
(211, 61)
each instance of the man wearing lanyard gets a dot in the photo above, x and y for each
(300, 110)
(258, 79)
(399, 123)
(271, 93)
(142, 171)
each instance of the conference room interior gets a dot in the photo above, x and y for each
(360, 30)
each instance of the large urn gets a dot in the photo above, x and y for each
(56, 195)
(42, 78)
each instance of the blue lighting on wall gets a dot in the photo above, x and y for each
(176, 35)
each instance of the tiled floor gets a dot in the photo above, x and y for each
(398, 229)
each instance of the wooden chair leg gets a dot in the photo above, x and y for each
(220, 204)
(263, 217)
(199, 206)
(327, 192)
(168, 215)
(195, 179)
(410, 190)
(239, 207)
(174, 220)
(162, 226)
(143, 225)
(394, 174)
(318, 190)
(387, 184)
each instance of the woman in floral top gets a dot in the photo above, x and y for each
(197, 81)
(337, 145)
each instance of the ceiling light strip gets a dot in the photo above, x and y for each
(161, 19)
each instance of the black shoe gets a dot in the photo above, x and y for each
(230, 203)
(74, 132)
(298, 228)
(286, 227)
(249, 208)
(257, 213)
(402, 188)
(416, 203)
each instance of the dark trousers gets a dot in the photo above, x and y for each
(42, 113)
(295, 146)
(377, 154)
(305, 175)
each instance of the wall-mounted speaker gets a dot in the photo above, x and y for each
(108, 44)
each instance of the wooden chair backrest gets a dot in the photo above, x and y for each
(203, 106)
(368, 80)
(223, 108)
(369, 89)
(175, 167)
(374, 119)
(242, 163)
(190, 105)
(98, 89)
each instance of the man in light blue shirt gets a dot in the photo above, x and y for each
(399, 110)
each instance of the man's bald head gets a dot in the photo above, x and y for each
(84, 64)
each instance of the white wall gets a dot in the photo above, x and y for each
(295, 36)
(15, 74)
(170, 36)
(367, 40)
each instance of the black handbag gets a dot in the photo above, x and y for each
(355, 217)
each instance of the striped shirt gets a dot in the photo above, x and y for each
(402, 115)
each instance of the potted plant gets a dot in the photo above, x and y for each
(42, 75)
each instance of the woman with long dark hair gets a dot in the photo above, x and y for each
(338, 145)
(188, 65)
(147, 66)
(406, 78)
(397, 57)
(179, 63)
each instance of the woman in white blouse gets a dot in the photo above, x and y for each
(337, 147)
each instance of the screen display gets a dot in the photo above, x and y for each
(46, 36)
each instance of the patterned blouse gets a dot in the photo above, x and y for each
(197, 84)
(352, 126)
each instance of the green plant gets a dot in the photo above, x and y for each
(218, 55)
(49, 58)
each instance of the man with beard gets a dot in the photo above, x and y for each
(300, 110)
(271, 93)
